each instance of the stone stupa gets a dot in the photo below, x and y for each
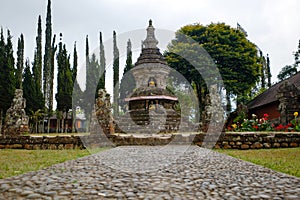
(151, 106)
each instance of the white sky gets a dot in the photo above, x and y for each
(273, 25)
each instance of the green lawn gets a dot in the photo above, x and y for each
(286, 160)
(14, 162)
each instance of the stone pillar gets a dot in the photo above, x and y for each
(287, 95)
(16, 121)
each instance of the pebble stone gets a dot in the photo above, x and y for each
(152, 172)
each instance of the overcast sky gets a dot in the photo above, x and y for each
(273, 25)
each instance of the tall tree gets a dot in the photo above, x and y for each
(92, 77)
(7, 73)
(101, 84)
(286, 72)
(37, 67)
(29, 89)
(76, 93)
(48, 73)
(127, 82)
(297, 55)
(64, 81)
(37, 70)
(20, 62)
(262, 69)
(234, 55)
(115, 76)
(269, 75)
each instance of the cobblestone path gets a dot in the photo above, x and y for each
(137, 172)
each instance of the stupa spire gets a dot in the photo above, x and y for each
(150, 42)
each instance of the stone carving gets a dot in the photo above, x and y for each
(16, 121)
(103, 112)
(213, 115)
(287, 95)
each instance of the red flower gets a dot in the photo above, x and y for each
(289, 125)
(266, 116)
(255, 127)
(279, 127)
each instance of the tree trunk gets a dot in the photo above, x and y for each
(228, 106)
(1, 118)
(36, 126)
(73, 120)
(63, 124)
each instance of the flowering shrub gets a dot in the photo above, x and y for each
(264, 124)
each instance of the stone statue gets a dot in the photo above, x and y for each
(103, 112)
(16, 121)
(287, 95)
(213, 114)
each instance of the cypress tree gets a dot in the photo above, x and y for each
(297, 55)
(115, 75)
(20, 62)
(2, 78)
(127, 82)
(101, 84)
(76, 93)
(129, 64)
(48, 62)
(7, 72)
(53, 50)
(64, 80)
(269, 75)
(262, 69)
(29, 89)
(37, 67)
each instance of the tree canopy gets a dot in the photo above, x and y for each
(234, 55)
(289, 70)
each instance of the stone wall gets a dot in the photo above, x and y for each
(35, 143)
(226, 141)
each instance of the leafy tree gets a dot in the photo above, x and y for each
(289, 70)
(20, 62)
(234, 55)
(286, 72)
(64, 80)
(127, 82)
(115, 75)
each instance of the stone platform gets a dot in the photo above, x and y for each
(159, 172)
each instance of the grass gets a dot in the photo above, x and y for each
(14, 162)
(285, 160)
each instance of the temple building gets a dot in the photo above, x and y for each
(279, 101)
(150, 101)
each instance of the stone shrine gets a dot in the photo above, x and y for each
(16, 121)
(151, 105)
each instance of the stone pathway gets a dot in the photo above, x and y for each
(137, 172)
